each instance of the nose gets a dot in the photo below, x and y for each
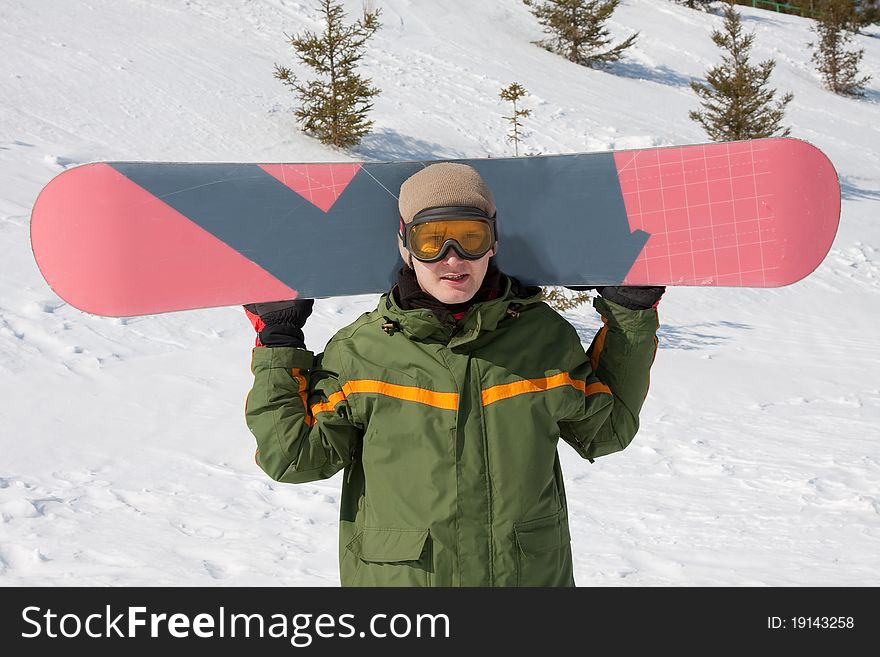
(452, 257)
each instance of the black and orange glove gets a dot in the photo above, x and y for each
(280, 323)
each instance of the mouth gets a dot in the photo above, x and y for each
(455, 278)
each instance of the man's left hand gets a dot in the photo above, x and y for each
(632, 296)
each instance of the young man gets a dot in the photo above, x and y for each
(445, 404)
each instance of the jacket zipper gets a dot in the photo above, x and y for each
(351, 466)
(488, 484)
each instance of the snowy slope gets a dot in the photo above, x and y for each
(125, 459)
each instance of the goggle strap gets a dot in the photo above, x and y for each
(450, 212)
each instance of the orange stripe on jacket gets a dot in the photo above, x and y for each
(594, 388)
(444, 400)
(508, 390)
(598, 346)
(303, 392)
(329, 405)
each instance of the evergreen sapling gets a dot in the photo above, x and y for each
(736, 101)
(333, 107)
(514, 92)
(838, 66)
(577, 30)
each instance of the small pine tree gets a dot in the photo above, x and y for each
(577, 30)
(704, 5)
(736, 104)
(563, 299)
(333, 108)
(514, 92)
(839, 68)
(869, 14)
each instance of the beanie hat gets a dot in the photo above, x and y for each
(441, 185)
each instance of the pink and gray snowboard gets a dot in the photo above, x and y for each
(137, 238)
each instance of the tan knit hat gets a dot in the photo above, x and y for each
(440, 185)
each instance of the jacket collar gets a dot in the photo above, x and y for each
(424, 324)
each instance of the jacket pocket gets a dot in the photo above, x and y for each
(544, 551)
(392, 557)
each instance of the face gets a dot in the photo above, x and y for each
(453, 279)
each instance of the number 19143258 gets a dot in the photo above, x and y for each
(811, 623)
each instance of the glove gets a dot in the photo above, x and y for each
(632, 297)
(280, 323)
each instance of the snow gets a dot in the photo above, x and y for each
(125, 458)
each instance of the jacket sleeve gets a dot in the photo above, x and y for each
(299, 415)
(616, 374)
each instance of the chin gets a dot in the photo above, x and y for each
(457, 297)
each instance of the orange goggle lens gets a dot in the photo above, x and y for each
(427, 240)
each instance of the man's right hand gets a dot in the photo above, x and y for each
(280, 323)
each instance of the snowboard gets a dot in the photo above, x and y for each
(137, 238)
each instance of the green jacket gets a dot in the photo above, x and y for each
(448, 433)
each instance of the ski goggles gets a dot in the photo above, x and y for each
(434, 231)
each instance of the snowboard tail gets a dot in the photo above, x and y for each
(137, 238)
